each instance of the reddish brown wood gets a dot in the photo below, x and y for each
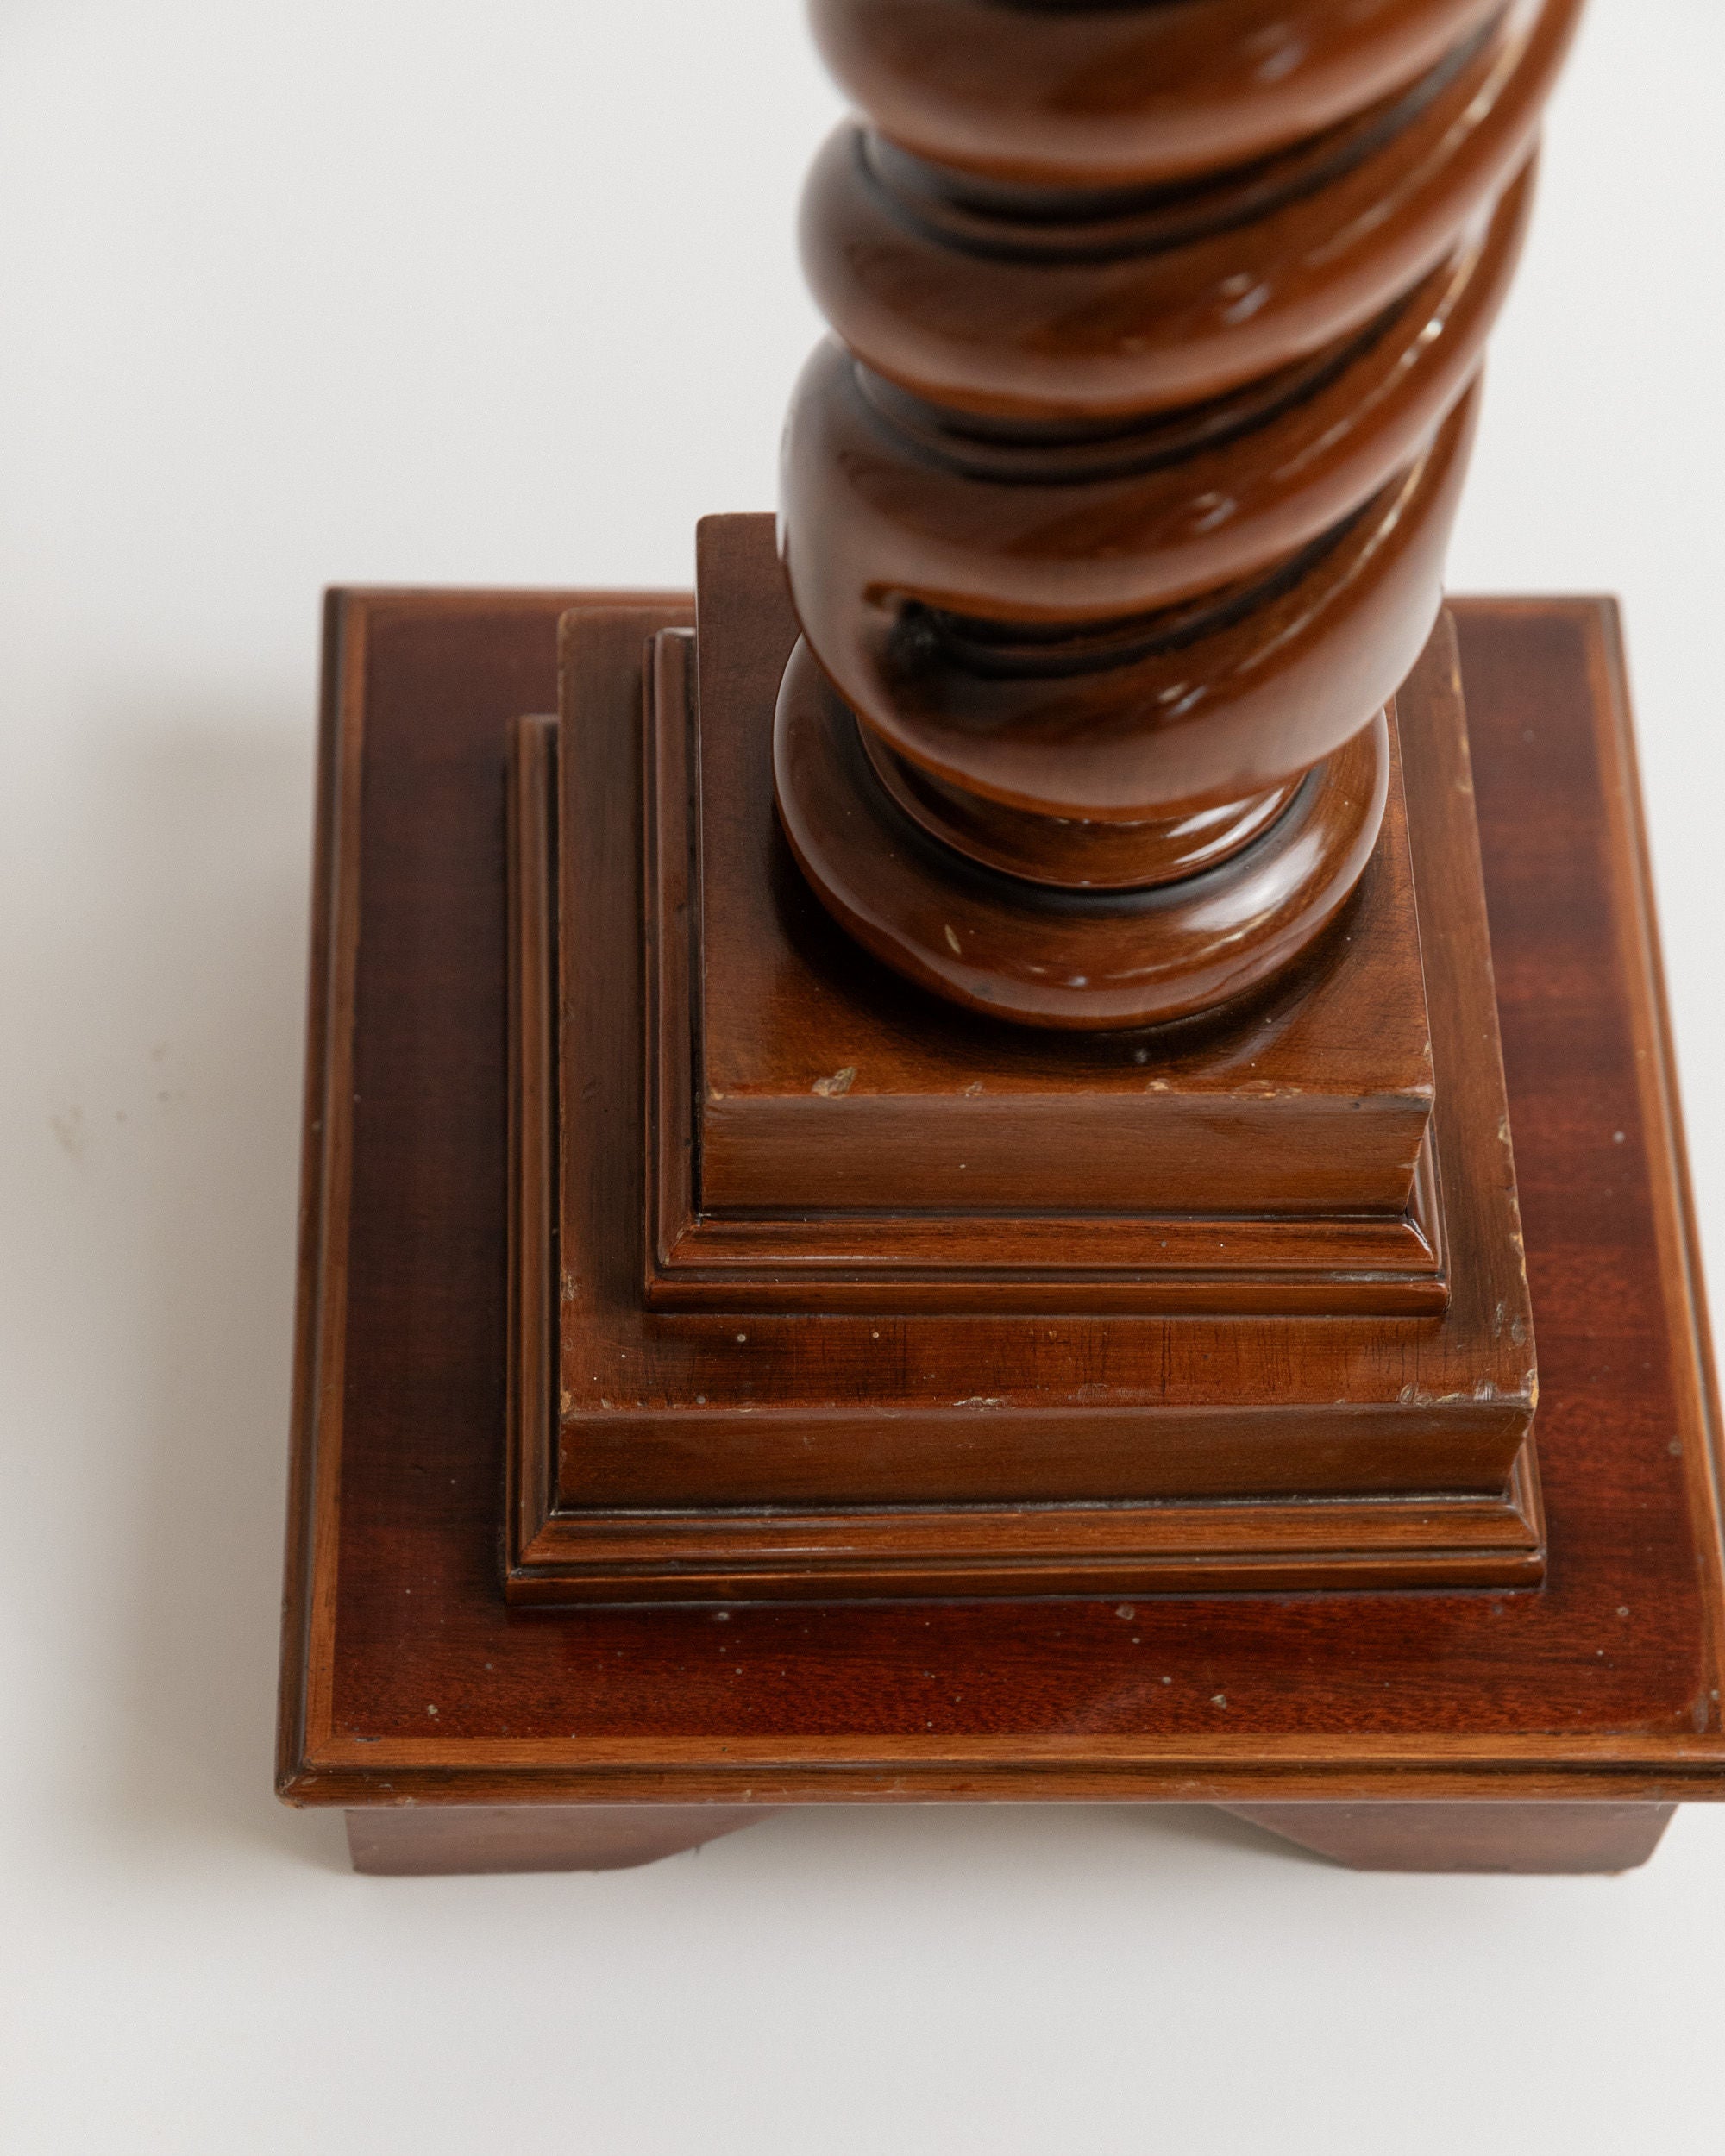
(405, 1677)
(1538, 1838)
(406, 1841)
(1596, 1692)
(1010, 947)
(1122, 97)
(415, 1840)
(1115, 511)
(823, 1087)
(905, 1378)
(1059, 301)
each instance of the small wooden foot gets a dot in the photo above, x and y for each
(1552, 1838)
(403, 1841)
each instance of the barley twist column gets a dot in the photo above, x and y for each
(1114, 511)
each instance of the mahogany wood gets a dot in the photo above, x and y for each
(428, 1840)
(415, 1840)
(902, 1378)
(823, 1086)
(1124, 97)
(407, 1679)
(1007, 947)
(1114, 512)
(1546, 1838)
(1113, 522)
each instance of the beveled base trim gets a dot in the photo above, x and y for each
(910, 1436)
(933, 1253)
(618, 1554)
(1288, 1545)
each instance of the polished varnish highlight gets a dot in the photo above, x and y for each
(1415, 1729)
(1115, 510)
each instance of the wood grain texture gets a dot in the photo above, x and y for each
(901, 1383)
(405, 1677)
(825, 1087)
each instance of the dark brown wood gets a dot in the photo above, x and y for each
(417, 1840)
(1540, 1838)
(1122, 97)
(406, 1677)
(904, 1378)
(824, 1086)
(1095, 960)
(422, 1840)
(1114, 512)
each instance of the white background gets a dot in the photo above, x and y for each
(399, 289)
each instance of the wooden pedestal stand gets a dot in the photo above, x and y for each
(912, 1200)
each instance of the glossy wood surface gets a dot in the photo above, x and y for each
(987, 1449)
(1124, 95)
(1086, 960)
(1116, 507)
(406, 1677)
(1315, 1101)
(1148, 721)
(1055, 306)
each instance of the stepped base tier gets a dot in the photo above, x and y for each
(827, 1289)
(870, 1487)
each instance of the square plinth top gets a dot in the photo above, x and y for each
(826, 1084)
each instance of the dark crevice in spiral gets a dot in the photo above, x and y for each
(1065, 224)
(925, 636)
(1029, 453)
(1057, 901)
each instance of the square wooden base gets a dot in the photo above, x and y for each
(1274, 1334)
(408, 1682)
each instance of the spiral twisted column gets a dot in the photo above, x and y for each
(1114, 510)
